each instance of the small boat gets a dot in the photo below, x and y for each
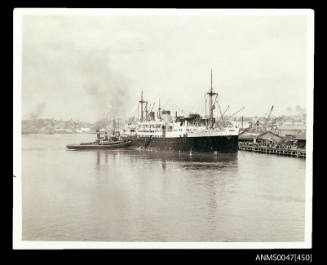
(102, 143)
(100, 146)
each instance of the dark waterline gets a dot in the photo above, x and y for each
(151, 196)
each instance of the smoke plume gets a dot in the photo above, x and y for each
(36, 113)
(106, 89)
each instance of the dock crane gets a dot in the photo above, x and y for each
(265, 120)
(270, 111)
(221, 113)
(219, 108)
(232, 115)
(268, 117)
(221, 119)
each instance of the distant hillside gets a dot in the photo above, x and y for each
(50, 126)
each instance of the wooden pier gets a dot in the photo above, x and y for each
(301, 153)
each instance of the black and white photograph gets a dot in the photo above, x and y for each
(162, 128)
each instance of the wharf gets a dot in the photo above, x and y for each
(301, 153)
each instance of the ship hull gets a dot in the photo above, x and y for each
(94, 146)
(222, 144)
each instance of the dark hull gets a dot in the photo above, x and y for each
(222, 144)
(99, 146)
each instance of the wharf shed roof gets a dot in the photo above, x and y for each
(259, 135)
(269, 133)
(248, 135)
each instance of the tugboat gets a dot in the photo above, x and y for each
(102, 143)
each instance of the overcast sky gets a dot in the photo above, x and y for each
(83, 66)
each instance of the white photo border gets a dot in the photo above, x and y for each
(18, 243)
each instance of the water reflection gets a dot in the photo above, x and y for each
(98, 158)
(212, 203)
(164, 164)
(196, 161)
(106, 157)
(194, 157)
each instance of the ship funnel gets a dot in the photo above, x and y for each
(152, 118)
(166, 115)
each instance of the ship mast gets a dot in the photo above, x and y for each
(146, 111)
(211, 105)
(142, 102)
(159, 110)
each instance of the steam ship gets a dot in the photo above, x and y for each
(193, 133)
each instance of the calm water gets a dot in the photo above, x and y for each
(146, 196)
